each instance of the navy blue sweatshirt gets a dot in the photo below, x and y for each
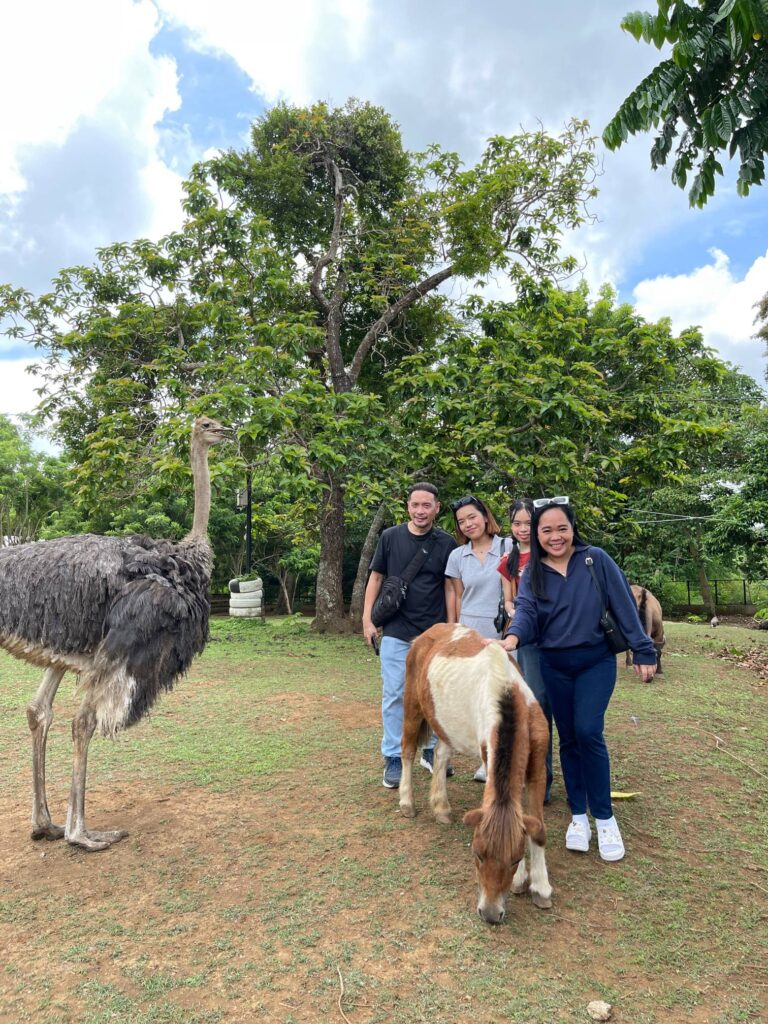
(569, 615)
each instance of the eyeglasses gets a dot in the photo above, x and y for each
(561, 499)
(468, 499)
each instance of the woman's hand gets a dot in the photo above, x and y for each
(646, 672)
(509, 643)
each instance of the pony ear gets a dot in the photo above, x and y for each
(473, 818)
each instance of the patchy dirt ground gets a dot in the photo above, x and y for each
(301, 896)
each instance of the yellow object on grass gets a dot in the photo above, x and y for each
(623, 796)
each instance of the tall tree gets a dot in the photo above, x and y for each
(373, 231)
(709, 95)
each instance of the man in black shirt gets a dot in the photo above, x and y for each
(424, 605)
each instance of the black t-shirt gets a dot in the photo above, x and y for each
(424, 603)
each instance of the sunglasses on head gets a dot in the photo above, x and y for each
(561, 499)
(468, 499)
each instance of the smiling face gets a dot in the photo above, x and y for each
(520, 525)
(423, 508)
(555, 534)
(471, 522)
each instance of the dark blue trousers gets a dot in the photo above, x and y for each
(530, 666)
(580, 681)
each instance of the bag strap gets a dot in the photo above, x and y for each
(413, 567)
(589, 563)
(504, 553)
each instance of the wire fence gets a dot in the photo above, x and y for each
(724, 592)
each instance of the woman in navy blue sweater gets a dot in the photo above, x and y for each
(559, 608)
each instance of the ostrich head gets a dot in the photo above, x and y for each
(207, 431)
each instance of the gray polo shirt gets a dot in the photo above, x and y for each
(482, 584)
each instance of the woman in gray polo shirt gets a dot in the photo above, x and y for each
(473, 598)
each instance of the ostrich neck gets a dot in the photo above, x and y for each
(202, 480)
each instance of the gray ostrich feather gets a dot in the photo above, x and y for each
(128, 614)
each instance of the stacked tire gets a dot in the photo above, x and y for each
(246, 599)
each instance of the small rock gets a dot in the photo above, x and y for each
(598, 1010)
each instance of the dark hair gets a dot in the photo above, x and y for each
(423, 486)
(535, 567)
(513, 559)
(491, 526)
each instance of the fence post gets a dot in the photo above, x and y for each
(716, 601)
(688, 585)
(744, 587)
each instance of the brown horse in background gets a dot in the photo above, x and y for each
(474, 698)
(649, 609)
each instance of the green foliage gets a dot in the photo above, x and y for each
(32, 484)
(559, 395)
(710, 95)
(762, 614)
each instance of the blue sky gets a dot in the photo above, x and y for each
(110, 104)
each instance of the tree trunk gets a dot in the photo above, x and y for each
(329, 607)
(358, 591)
(704, 587)
(287, 589)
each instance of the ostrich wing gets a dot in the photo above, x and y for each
(157, 623)
(55, 595)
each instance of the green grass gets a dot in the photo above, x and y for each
(265, 857)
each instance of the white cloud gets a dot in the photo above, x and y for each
(17, 387)
(712, 298)
(271, 42)
(79, 163)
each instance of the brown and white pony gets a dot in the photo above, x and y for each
(475, 699)
(649, 610)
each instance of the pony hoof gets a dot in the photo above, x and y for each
(521, 888)
(443, 818)
(408, 810)
(542, 902)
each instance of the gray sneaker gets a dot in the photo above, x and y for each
(393, 769)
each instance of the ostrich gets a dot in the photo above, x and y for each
(127, 614)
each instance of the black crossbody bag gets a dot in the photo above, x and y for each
(617, 642)
(394, 588)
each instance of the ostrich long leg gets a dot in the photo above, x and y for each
(40, 716)
(83, 726)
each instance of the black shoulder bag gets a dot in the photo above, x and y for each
(617, 642)
(394, 588)
(503, 617)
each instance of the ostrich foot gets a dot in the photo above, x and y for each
(49, 831)
(91, 840)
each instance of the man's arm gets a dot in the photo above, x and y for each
(371, 593)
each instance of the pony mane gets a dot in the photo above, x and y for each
(501, 830)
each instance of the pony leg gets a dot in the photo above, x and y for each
(408, 746)
(520, 881)
(541, 890)
(39, 717)
(438, 793)
(75, 832)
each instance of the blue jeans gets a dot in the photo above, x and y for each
(580, 681)
(530, 665)
(393, 653)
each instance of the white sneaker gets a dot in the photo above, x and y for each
(481, 775)
(609, 842)
(578, 836)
